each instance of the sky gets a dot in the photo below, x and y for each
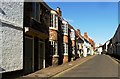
(98, 19)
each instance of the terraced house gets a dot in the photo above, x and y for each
(89, 45)
(33, 36)
(25, 37)
(36, 36)
(65, 40)
(11, 38)
(56, 37)
(73, 41)
(79, 43)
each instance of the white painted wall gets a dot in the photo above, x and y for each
(85, 51)
(99, 50)
(11, 36)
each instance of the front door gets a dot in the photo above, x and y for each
(28, 55)
(41, 55)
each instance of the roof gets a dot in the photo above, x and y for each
(49, 8)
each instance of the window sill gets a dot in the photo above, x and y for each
(35, 20)
(53, 28)
(55, 55)
(65, 54)
(65, 34)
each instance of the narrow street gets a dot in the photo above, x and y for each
(99, 66)
(59, 39)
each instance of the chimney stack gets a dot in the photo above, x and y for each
(85, 35)
(59, 12)
(78, 31)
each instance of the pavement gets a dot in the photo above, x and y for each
(54, 70)
(99, 67)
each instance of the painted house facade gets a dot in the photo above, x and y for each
(114, 44)
(105, 47)
(92, 46)
(69, 45)
(79, 43)
(24, 37)
(72, 38)
(11, 36)
(89, 45)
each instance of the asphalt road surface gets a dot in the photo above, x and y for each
(99, 66)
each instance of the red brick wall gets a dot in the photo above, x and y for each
(73, 43)
(65, 39)
(65, 60)
(53, 35)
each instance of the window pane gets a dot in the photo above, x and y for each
(66, 48)
(56, 48)
(37, 11)
(40, 12)
(64, 28)
(33, 9)
(51, 20)
(56, 21)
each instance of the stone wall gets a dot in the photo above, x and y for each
(11, 36)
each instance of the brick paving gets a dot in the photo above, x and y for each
(54, 70)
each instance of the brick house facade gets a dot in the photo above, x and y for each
(56, 37)
(65, 40)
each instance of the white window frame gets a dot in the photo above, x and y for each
(65, 28)
(55, 45)
(65, 49)
(51, 21)
(56, 19)
(54, 22)
(72, 34)
(56, 50)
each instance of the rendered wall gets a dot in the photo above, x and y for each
(11, 36)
